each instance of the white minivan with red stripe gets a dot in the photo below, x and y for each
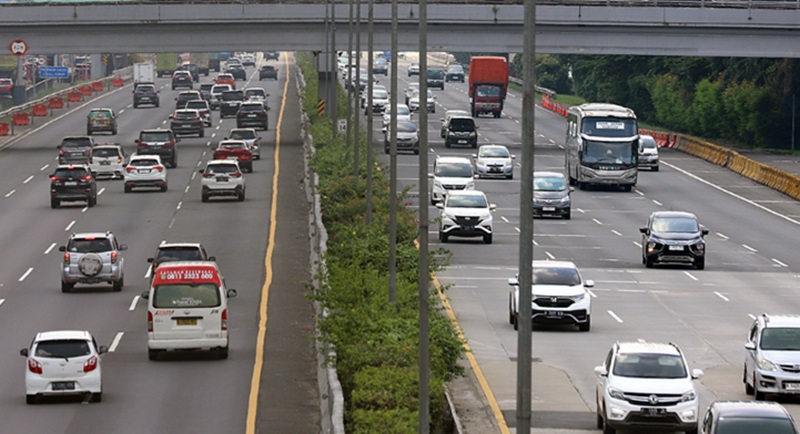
(187, 309)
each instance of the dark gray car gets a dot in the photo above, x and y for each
(673, 237)
(551, 195)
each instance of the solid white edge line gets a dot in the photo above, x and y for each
(749, 248)
(721, 296)
(49, 249)
(597, 221)
(724, 237)
(10, 193)
(615, 232)
(25, 275)
(658, 203)
(115, 342)
(134, 302)
(591, 293)
(613, 315)
(549, 255)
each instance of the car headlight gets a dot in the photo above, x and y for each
(564, 200)
(651, 245)
(578, 297)
(438, 185)
(689, 396)
(614, 393)
(472, 134)
(701, 246)
(765, 364)
(470, 185)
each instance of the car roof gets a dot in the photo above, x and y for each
(781, 320)
(648, 347)
(145, 157)
(230, 162)
(548, 175)
(750, 409)
(72, 166)
(156, 130)
(465, 193)
(673, 214)
(459, 116)
(106, 145)
(99, 109)
(180, 244)
(452, 160)
(90, 235)
(186, 111)
(63, 334)
(553, 264)
(183, 264)
(228, 141)
(77, 137)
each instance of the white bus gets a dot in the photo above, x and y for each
(602, 146)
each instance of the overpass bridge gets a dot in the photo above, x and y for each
(745, 28)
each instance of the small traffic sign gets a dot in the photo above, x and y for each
(53, 72)
(18, 47)
(342, 125)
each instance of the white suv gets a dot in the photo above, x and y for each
(450, 173)
(772, 360)
(222, 178)
(145, 171)
(646, 386)
(466, 213)
(559, 296)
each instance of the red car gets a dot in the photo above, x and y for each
(235, 150)
(6, 84)
(226, 79)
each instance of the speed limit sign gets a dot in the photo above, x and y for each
(18, 47)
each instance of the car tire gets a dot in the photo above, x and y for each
(66, 287)
(31, 399)
(568, 215)
(97, 397)
(748, 389)
(222, 353)
(487, 239)
(416, 151)
(585, 327)
(510, 311)
(386, 150)
(599, 422)
(444, 237)
(164, 188)
(241, 197)
(607, 429)
(497, 115)
(204, 198)
(114, 132)
(700, 264)
(516, 321)
(55, 203)
(119, 284)
(128, 189)
(446, 143)
(92, 202)
(692, 431)
(655, 169)
(510, 176)
(202, 133)
(153, 354)
(135, 105)
(648, 263)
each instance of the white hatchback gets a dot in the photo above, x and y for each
(145, 171)
(65, 362)
(222, 178)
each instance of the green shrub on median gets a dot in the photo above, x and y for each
(376, 341)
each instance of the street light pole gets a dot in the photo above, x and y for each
(423, 278)
(349, 84)
(334, 103)
(393, 163)
(370, 47)
(358, 91)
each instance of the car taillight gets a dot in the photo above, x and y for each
(66, 258)
(159, 168)
(113, 257)
(208, 175)
(236, 175)
(62, 152)
(34, 366)
(255, 143)
(55, 178)
(87, 178)
(170, 143)
(196, 118)
(90, 364)
(119, 159)
(130, 169)
(91, 160)
(225, 319)
(149, 321)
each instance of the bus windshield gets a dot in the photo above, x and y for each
(609, 127)
(609, 152)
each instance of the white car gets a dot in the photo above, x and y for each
(64, 362)
(145, 171)
(380, 99)
(413, 68)
(466, 213)
(255, 94)
(203, 107)
(249, 136)
(216, 93)
(646, 382)
(222, 178)
(407, 137)
(107, 161)
(494, 161)
(414, 102)
(375, 87)
(410, 90)
(559, 296)
(403, 114)
(648, 153)
(450, 173)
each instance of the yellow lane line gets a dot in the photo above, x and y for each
(498, 415)
(255, 382)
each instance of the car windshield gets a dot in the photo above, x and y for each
(646, 365)
(186, 295)
(90, 245)
(255, 92)
(550, 183)
(185, 115)
(455, 69)
(380, 94)
(674, 224)
(155, 136)
(494, 152)
(243, 134)
(170, 254)
(454, 170)
(780, 339)
(403, 110)
(105, 152)
(754, 425)
(556, 276)
(647, 142)
(70, 173)
(457, 124)
(466, 201)
(407, 127)
(221, 168)
(63, 348)
(435, 74)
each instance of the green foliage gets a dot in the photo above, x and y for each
(707, 109)
(376, 341)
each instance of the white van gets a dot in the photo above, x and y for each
(187, 309)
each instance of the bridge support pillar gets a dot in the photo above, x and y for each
(328, 86)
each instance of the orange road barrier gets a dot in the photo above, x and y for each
(4, 130)
(56, 102)
(74, 96)
(40, 110)
(117, 82)
(97, 86)
(85, 89)
(21, 118)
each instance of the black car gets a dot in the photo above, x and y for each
(237, 71)
(71, 183)
(461, 130)
(455, 73)
(229, 102)
(75, 150)
(158, 142)
(551, 195)
(268, 71)
(186, 96)
(252, 114)
(272, 55)
(182, 79)
(145, 94)
(725, 417)
(187, 121)
(673, 237)
(436, 78)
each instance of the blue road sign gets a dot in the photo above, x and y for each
(53, 72)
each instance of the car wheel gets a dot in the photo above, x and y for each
(128, 189)
(599, 418)
(119, 284)
(66, 287)
(114, 133)
(700, 264)
(92, 202)
(655, 169)
(567, 215)
(386, 150)
(135, 105)
(445, 237)
(204, 198)
(607, 429)
(97, 397)
(31, 399)
(748, 389)
(510, 309)
(241, 197)
(416, 151)
(691, 431)
(648, 262)
(222, 353)
(164, 188)
(516, 321)
(202, 133)
(446, 143)
(487, 239)
(510, 176)
(55, 203)
(152, 354)
(585, 327)
(496, 115)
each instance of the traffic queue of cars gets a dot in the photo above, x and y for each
(187, 295)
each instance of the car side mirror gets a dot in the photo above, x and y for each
(492, 207)
(750, 346)
(212, 258)
(513, 157)
(704, 232)
(136, 141)
(441, 119)
(23, 352)
(697, 373)
(513, 281)
(588, 283)
(477, 127)
(600, 371)
(200, 171)
(170, 116)
(439, 205)
(176, 98)
(150, 260)
(430, 175)
(62, 248)
(58, 147)
(102, 350)
(145, 295)
(232, 293)
(643, 230)
(474, 155)
(476, 176)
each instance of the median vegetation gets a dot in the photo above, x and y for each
(376, 341)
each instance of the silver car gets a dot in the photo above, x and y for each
(107, 161)
(772, 356)
(494, 161)
(407, 137)
(414, 102)
(249, 136)
(92, 257)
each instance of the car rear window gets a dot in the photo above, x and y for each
(255, 92)
(188, 96)
(171, 296)
(550, 183)
(62, 349)
(169, 254)
(70, 173)
(243, 134)
(199, 105)
(466, 201)
(221, 168)
(220, 88)
(89, 245)
(155, 136)
(145, 89)
(99, 114)
(454, 170)
(144, 162)
(184, 115)
(105, 152)
(234, 95)
(435, 74)
(76, 143)
(251, 107)
(645, 365)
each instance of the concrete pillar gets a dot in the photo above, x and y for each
(98, 69)
(328, 87)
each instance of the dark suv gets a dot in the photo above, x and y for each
(158, 142)
(272, 55)
(145, 94)
(229, 102)
(187, 121)
(268, 71)
(182, 79)
(436, 78)
(75, 150)
(673, 237)
(461, 130)
(72, 183)
(101, 119)
(186, 96)
(252, 114)
(747, 417)
(237, 71)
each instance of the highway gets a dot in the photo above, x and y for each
(750, 269)
(187, 393)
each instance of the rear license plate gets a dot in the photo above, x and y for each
(654, 411)
(222, 179)
(186, 321)
(548, 208)
(676, 248)
(71, 183)
(64, 385)
(105, 163)
(791, 386)
(554, 314)
(143, 171)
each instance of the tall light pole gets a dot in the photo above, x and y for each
(349, 74)
(370, 47)
(334, 101)
(358, 91)
(393, 163)
(524, 336)
(423, 278)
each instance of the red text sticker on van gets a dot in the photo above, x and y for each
(187, 274)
